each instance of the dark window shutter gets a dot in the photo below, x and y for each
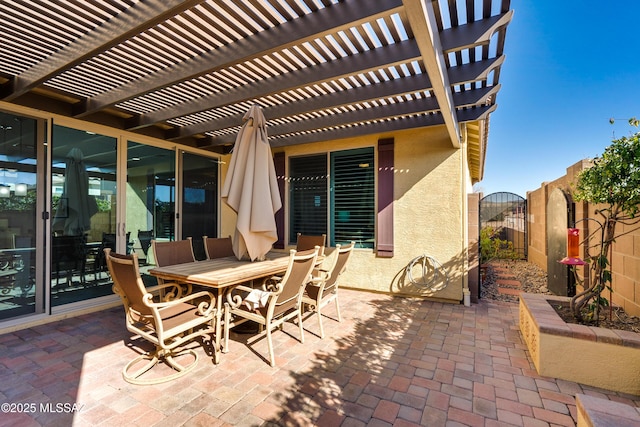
(279, 164)
(385, 198)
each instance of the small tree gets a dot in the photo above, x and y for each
(613, 182)
(491, 246)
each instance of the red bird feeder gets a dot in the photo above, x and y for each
(573, 248)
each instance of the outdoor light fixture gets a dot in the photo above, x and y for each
(21, 189)
(573, 250)
(5, 191)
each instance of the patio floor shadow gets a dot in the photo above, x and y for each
(391, 362)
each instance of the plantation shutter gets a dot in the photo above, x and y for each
(307, 195)
(353, 197)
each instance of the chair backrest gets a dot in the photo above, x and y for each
(295, 278)
(219, 247)
(145, 237)
(127, 282)
(109, 240)
(174, 252)
(307, 242)
(68, 248)
(344, 253)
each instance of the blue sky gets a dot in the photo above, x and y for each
(570, 66)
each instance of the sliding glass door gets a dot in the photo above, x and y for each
(150, 198)
(199, 201)
(18, 212)
(83, 213)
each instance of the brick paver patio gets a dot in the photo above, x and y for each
(391, 362)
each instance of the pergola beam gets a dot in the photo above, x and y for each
(421, 15)
(473, 34)
(393, 125)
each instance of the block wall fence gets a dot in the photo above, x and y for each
(625, 257)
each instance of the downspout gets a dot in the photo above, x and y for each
(466, 293)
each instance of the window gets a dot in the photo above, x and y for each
(334, 194)
(308, 195)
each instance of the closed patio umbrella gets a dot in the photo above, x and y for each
(251, 188)
(76, 206)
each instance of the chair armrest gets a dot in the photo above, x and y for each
(233, 298)
(319, 275)
(170, 296)
(270, 284)
(317, 281)
(205, 308)
(320, 272)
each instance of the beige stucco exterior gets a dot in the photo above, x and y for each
(430, 184)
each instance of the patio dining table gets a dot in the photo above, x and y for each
(223, 274)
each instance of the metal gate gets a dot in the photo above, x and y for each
(505, 214)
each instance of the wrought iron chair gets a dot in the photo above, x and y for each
(108, 241)
(280, 297)
(306, 242)
(218, 247)
(69, 257)
(167, 324)
(323, 288)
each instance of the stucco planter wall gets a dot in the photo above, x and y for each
(600, 357)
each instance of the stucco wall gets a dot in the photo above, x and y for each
(625, 259)
(429, 213)
(473, 244)
(536, 227)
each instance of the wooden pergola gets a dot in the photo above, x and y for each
(187, 71)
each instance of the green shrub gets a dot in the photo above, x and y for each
(492, 247)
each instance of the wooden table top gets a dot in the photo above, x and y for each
(223, 272)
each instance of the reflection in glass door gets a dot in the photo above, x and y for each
(83, 213)
(150, 198)
(18, 195)
(199, 205)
